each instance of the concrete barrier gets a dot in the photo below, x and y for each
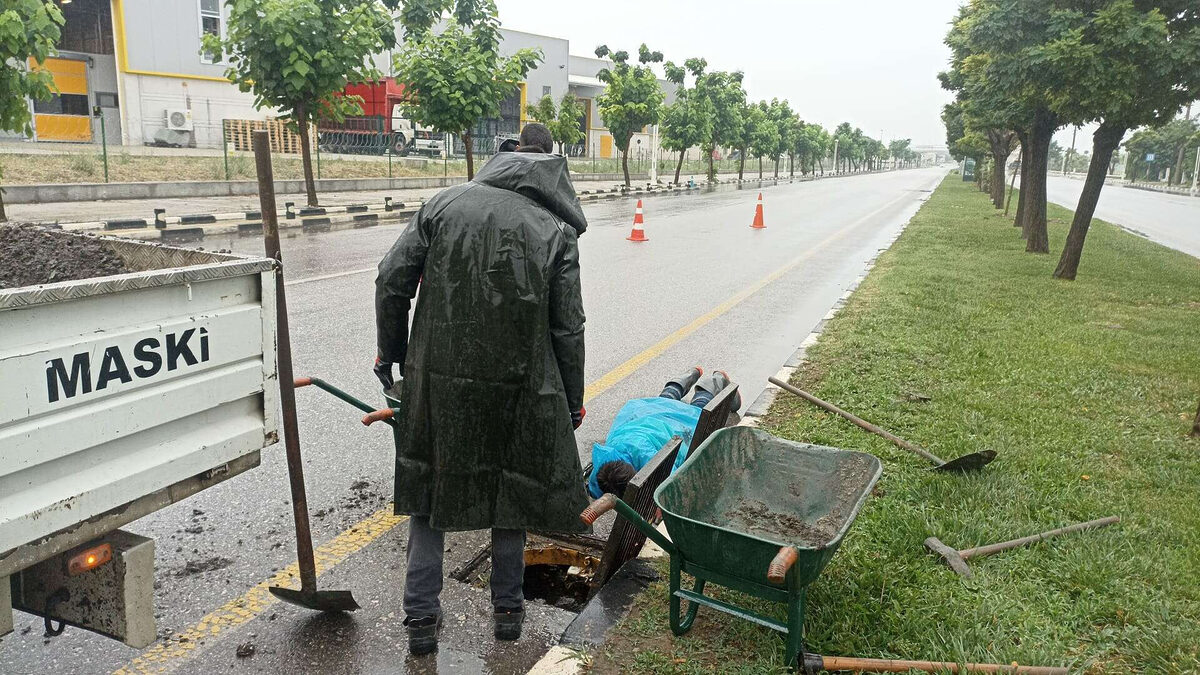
(89, 192)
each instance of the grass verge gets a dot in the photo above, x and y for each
(1086, 390)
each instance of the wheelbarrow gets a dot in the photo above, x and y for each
(756, 514)
(373, 415)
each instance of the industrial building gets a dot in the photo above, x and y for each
(139, 62)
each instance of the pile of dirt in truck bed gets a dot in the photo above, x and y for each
(32, 255)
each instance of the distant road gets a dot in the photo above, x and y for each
(1171, 220)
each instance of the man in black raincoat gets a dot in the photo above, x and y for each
(492, 373)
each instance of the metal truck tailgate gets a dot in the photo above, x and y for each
(114, 387)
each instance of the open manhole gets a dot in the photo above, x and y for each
(556, 574)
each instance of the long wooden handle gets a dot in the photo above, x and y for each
(1034, 538)
(777, 571)
(834, 663)
(824, 405)
(380, 415)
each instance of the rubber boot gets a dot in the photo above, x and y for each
(682, 385)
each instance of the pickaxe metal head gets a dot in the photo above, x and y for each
(321, 601)
(950, 556)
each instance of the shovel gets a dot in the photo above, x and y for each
(308, 596)
(969, 462)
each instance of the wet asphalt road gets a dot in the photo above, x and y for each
(1169, 219)
(706, 289)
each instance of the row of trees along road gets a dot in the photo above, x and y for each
(1023, 68)
(297, 56)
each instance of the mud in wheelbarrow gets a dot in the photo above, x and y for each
(756, 514)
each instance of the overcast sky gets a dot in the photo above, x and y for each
(872, 63)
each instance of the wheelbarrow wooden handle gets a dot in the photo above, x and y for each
(778, 569)
(606, 502)
(301, 382)
(381, 415)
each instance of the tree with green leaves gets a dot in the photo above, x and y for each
(1006, 79)
(763, 134)
(568, 127)
(729, 130)
(29, 29)
(1125, 64)
(456, 74)
(687, 122)
(298, 55)
(781, 117)
(810, 145)
(632, 98)
(562, 120)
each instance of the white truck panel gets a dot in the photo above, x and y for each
(116, 387)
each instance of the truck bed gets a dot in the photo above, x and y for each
(118, 388)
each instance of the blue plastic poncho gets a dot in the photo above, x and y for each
(642, 427)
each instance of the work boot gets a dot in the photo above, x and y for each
(508, 623)
(423, 634)
(711, 385)
(680, 386)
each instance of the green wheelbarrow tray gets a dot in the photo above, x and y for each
(756, 514)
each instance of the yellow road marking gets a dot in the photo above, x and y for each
(631, 366)
(161, 657)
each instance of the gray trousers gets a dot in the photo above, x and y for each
(423, 578)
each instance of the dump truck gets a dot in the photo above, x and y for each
(121, 395)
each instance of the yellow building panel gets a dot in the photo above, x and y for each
(63, 128)
(606, 146)
(70, 76)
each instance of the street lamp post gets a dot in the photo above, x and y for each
(1196, 172)
(835, 151)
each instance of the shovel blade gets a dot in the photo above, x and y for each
(321, 601)
(972, 462)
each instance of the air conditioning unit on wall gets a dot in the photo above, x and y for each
(178, 119)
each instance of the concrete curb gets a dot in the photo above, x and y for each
(49, 193)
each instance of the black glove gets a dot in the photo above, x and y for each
(383, 371)
(577, 417)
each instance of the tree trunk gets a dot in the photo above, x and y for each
(760, 167)
(741, 162)
(820, 163)
(1020, 215)
(792, 166)
(469, 145)
(678, 167)
(1177, 172)
(1036, 238)
(1104, 142)
(999, 165)
(712, 171)
(3, 216)
(625, 161)
(777, 168)
(310, 185)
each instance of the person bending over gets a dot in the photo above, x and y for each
(644, 425)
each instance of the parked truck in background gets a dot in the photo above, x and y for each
(120, 396)
(382, 126)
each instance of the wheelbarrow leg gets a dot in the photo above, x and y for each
(678, 626)
(794, 649)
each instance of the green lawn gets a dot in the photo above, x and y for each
(1086, 390)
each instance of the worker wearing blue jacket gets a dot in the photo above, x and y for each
(644, 425)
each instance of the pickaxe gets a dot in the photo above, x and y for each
(957, 560)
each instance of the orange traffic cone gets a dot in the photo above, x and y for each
(758, 215)
(638, 234)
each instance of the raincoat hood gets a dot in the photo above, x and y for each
(542, 178)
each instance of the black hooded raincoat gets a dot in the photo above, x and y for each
(494, 365)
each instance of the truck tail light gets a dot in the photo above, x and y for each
(89, 559)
